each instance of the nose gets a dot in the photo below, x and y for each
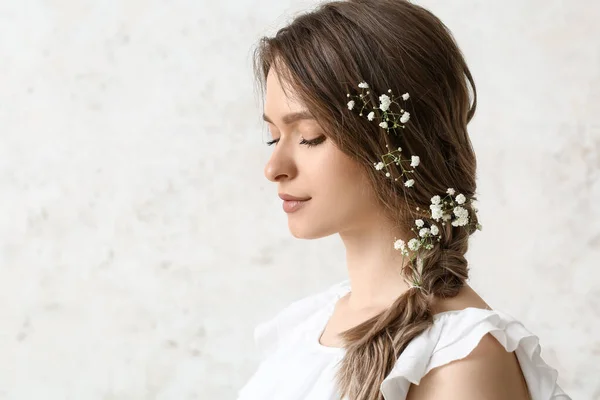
(281, 165)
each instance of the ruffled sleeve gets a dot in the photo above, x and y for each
(455, 334)
(270, 334)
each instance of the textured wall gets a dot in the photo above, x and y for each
(140, 242)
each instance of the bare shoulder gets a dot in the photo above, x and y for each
(489, 372)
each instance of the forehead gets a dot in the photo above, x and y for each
(281, 106)
(278, 95)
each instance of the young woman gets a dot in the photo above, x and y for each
(368, 104)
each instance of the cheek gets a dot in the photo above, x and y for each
(342, 180)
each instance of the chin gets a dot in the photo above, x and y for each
(308, 231)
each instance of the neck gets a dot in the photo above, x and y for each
(374, 266)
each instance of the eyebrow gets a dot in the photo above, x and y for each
(292, 117)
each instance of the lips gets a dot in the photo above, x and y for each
(292, 203)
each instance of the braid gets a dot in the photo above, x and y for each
(375, 345)
(445, 269)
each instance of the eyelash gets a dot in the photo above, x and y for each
(309, 143)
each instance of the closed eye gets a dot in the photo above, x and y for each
(313, 142)
(309, 143)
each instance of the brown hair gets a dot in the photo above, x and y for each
(324, 54)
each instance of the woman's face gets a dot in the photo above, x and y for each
(306, 164)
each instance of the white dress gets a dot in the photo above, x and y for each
(295, 366)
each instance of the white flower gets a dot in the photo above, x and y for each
(415, 161)
(350, 104)
(450, 191)
(405, 96)
(436, 200)
(460, 211)
(434, 230)
(385, 102)
(363, 85)
(400, 149)
(383, 125)
(463, 216)
(446, 217)
(460, 199)
(379, 166)
(436, 211)
(387, 174)
(371, 116)
(460, 222)
(405, 117)
(409, 183)
(414, 244)
(399, 244)
(424, 232)
(419, 223)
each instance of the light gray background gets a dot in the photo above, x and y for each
(141, 243)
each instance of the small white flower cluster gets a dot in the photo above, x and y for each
(395, 157)
(424, 239)
(389, 121)
(441, 209)
(451, 208)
